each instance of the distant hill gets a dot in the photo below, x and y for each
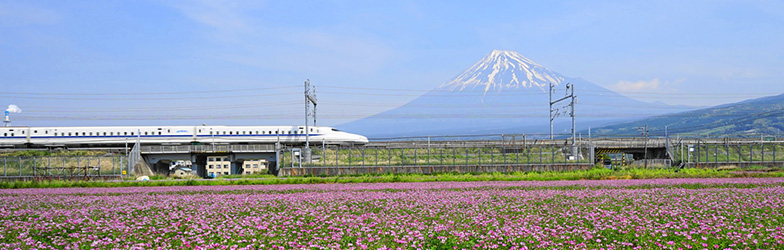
(503, 92)
(755, 117)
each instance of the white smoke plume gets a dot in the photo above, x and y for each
(13, 109)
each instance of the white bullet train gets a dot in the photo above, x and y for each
(169, 135)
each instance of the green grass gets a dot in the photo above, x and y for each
(593, 174)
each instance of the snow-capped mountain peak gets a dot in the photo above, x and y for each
(502, 70)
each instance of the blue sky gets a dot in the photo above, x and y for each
(243, 62)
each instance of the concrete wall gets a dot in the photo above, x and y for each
(359, 170)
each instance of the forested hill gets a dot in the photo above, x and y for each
(755, 117)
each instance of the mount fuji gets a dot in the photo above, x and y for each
(504, 92)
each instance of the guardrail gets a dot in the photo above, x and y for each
(174, 149)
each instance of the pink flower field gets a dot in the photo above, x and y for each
(616, 214)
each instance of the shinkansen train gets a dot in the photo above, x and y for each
(172, 135)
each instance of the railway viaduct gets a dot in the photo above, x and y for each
(158, 156)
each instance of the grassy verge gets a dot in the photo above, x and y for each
(593, 174)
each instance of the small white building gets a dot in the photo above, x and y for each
(218, 165)
(255, 166)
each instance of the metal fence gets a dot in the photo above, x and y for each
(699, 151)
(439, 154)
(57, 167)
(501, 152)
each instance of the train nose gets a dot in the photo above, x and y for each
(361, 140)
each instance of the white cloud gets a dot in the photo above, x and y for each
(20, 14)
(225, 18)
(240, 36)
(638, 86)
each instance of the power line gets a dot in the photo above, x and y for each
(147, 98)
(522, 90)
(147, 93)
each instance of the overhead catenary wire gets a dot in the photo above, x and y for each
(169, 112)
(148, 93)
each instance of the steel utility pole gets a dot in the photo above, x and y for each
(645, 133)
(310, 98)
(574, 136)
(569, 87)
(551, 111)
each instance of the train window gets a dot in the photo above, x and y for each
(104, 133)
(126, 133)
(210, 132)
(145, 132)
(84, 133)
(5, 134)
(91, 133)
(231, 132)
(35, 131)
(131, 133)
(69, 133)
(159, 132)
(55, 133)
(168, 131)
(12, 134)
(46, 132)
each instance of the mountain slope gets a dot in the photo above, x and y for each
(747, 118)
(503, 92)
